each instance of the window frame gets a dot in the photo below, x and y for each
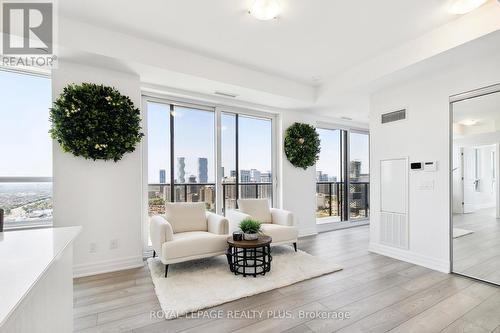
(42, 223)
(218, 109)
(327, 223)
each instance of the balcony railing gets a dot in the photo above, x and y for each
(246, 191)
(158, 194)
(330, 198)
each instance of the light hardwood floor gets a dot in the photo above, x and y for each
(380, 294)
(478, 254)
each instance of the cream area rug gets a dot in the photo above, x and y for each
(200, 284)
(457, 232)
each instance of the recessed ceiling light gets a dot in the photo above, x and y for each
(469, 122)
(465, 6)
(265, 9)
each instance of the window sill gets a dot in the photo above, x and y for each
(27, 225)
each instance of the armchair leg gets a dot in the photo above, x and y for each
(166, 270)
(295, 246)
(154, 253)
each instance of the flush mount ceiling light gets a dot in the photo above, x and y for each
(265, 10)
(465, 6)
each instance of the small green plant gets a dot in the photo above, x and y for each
(250, 226)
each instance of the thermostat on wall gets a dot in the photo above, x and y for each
(417, 166)
(430, 166)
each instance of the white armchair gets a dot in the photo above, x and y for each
(187, 232)
(277, 223)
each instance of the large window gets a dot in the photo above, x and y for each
(180, 156)
(342, 176)
(182, 160)
(246, 155)
(359, 175)
(329, 176)
(26, 149)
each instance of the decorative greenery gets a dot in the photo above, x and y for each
(95, 122)
(302, 145)
(250, 226)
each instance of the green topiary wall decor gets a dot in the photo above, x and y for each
(302, 145)
(95, 122)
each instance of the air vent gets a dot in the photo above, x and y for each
(393, 116)
(225, 94)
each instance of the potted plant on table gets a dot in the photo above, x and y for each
(251, 229)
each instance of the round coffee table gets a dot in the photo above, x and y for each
(249, 257)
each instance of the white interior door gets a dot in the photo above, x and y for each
(468, 179)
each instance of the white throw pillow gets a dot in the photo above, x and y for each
(257, 208)
(186, 216)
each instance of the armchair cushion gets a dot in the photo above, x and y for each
(235, 217)
(280, 233)
(184, 217)
(257, 208)
(193, 244)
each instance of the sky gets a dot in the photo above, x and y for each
(25, 144)
(329, 159)
(195, 137)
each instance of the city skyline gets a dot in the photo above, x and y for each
(195, 138)
(250, 176)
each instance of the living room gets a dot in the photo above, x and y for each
(250, 165)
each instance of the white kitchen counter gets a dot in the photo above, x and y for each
(30, 260)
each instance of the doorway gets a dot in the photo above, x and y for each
(475, 193)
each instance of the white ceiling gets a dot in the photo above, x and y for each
(310, 42)
(484, 109)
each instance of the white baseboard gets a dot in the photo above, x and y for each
(411, 257)
(107, 266)
(307, 232)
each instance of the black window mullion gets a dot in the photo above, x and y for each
(172, 154)
(237, 157)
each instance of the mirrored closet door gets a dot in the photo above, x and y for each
(475, 186)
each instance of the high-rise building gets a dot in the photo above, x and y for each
(266, 177)
(181, 170)
(255, 176)
(222, 172)
(245, 176)
(202, 170)
(233, 173)
(163, 176)
(355, 170)
(321, 177)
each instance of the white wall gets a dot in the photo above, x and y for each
(298, 186)
(103, 197)
(424, 136)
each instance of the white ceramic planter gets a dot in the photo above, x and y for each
(250, 236)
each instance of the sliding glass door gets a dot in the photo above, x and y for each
(181, 155)
(200, 154)
(342, 176)
(359, 175)
(329, 175)
(246, 158)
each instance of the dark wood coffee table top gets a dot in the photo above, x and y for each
(250, 244)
